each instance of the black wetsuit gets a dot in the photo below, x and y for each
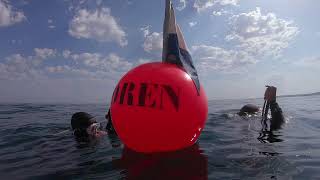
(109, 126)
(276, 121)
(277, 118)
(248, 109)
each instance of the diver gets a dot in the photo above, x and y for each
(248, 109)
(277, 118)
(85, 126)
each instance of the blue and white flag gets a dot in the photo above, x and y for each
(174, 47)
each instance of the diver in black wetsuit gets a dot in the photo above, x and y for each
(85, 126)
(277, 118)
(248, 109)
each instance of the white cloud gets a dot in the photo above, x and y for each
(50, 24)
(217, 13)
(70, 72)
(182, 5)
(111, 63)
(66, 53)
(211, 58)
(202, 5)
(192, 24)
(99, 25)
(18, 67)
(116, 63)
(58, 69)
(254, 37)
(8, 16)
(227, 2)
(83, 66)
(45, 53)
(153, 41)
(142, 61)
(261, 35)
(221, 12)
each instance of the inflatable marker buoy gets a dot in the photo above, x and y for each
(155, 107)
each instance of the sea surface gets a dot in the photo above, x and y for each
(36, 143)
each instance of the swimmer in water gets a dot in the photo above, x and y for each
(85, 126)
(248, 109)
(276, 119)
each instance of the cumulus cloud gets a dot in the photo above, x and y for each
(99, 25)
(202, 5)
(66, 53)
(92, 66)
(221, 12)
(261, 35)
(17, 66)
(193, 23)
(69, 72)
(45, 53)
(109, 63)
(142, 61)
(153, 41)
(81, 65)
(254, 37)
(212, 58)
(9, 16)
(182, 5)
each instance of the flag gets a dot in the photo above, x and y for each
(174, 47)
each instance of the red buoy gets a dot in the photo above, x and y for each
(156, 107)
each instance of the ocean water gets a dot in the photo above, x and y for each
(35, 143)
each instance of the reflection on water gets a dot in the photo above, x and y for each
(269, 136)
(188, 163)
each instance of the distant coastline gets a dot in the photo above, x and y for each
(297, 95)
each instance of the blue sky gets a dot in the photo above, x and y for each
(76, 51)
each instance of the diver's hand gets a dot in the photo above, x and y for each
(270, 94)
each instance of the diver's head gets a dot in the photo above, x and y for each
(248, 109)
(83, 124)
